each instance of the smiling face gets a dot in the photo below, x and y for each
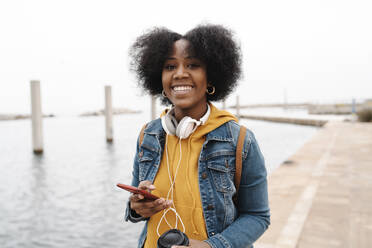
(184, 79)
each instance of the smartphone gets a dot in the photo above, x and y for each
(132, 189)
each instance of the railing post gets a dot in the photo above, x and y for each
(224, 104)
(108, 113)
(36, 117)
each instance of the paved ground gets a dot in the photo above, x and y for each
(324, 198)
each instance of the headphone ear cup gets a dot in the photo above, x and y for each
(186, 127)
(169, 124)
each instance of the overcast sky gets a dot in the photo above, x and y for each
(317, 51)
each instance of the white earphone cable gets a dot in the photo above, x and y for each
(171, 191)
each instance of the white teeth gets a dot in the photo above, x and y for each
(182, 88)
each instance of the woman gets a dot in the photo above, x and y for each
(187, 157)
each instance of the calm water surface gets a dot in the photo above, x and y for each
(67, 197)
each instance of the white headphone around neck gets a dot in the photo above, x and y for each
(186, 126)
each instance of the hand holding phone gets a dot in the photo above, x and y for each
(134, 190)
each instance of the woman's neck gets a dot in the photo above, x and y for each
(193, 113)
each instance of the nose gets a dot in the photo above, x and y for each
(180, 73)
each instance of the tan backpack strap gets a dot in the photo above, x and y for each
(142, 133)
(238, 159)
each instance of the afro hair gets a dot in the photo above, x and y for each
(212, 44)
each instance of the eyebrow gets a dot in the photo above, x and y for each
(188, 57)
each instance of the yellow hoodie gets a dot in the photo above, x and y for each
(186, 194)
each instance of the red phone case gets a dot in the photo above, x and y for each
(135, 190)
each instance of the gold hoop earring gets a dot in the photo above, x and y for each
(163, 94)
(211, 90)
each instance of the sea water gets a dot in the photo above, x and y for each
(67, 197)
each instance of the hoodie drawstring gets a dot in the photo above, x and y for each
(190, 189)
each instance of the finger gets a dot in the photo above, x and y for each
(152, 206)
(147, 209)
(197, 243)
(136, 197)
(158, 205)
(146, 185)
(141, 207)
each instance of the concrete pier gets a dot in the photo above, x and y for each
(323, 197)
(298, 121)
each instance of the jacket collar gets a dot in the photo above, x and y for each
(222, 133)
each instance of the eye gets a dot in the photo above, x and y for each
(193, 65)
(169, 67)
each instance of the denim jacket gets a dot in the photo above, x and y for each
(228, 225)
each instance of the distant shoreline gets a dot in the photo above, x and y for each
(115, 111)
(119, 111)
(11, 117)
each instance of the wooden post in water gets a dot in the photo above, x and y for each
(36, 117)
(108, 113)
(237, 107)
(153, 107)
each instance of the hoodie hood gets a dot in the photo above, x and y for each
(216, 119)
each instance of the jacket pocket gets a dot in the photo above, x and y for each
(146, 160)
(222, 175)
